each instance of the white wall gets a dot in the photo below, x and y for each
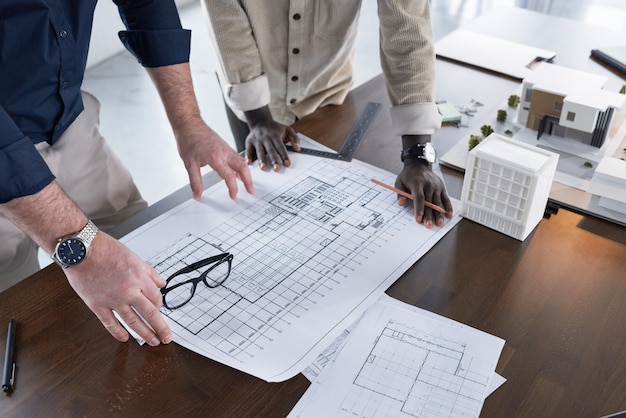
(106, 23)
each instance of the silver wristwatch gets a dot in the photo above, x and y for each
(72, 250)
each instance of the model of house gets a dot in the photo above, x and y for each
(568, 103)
(609, 182)
(507, 184)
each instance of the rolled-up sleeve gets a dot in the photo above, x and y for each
(16, 152)
(154, 33)
(243, 81)
(415, 119)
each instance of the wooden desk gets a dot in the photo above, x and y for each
(558, 299)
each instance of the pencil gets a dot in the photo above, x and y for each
(408, 196)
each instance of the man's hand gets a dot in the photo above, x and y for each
(267, 139)
(113, 278)
(199, 145)
(418, 179)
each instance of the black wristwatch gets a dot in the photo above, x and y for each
(72, 250)
(420, 151)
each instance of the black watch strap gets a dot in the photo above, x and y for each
(425, 152)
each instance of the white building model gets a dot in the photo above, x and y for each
(567, 103)
(506, 185)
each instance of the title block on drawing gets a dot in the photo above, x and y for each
(506, 185)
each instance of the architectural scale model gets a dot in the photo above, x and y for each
(568, 103)
(609, 182)
(506, 185)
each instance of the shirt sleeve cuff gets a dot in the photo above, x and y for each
(158, 48)
(249, 95)
(415, 119)
(22, 170)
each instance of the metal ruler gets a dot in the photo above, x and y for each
(353, 139)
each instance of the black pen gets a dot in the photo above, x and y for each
(9, 365)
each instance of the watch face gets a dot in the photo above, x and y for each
(429, 153)
(71, 251)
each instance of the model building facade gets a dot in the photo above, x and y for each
(506, 185)
(568, 103)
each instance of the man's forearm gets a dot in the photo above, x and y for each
(45, 216)
(257, 116)
(175, 88)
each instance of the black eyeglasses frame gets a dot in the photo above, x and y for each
(215, 260)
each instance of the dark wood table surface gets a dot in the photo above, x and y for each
(558, 299)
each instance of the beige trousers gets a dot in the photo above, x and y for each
(91, 175)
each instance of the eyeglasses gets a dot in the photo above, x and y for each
(176, 293)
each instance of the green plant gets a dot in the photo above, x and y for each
(486, 130)
(513, 100)
(473, 141)
(588, 164)
(501, 115)
(508, 132)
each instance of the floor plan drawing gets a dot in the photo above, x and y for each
(303, 250)
(422, 373)
(401, 361)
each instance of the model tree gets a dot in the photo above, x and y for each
(473, 141)
(513, 100)
(501, 115)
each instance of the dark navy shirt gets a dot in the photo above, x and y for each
(43, 53)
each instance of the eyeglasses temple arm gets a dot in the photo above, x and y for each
(199, 264)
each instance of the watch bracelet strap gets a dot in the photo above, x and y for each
(88, 233)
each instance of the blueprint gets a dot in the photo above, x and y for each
(401, 361)
(313, 247)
